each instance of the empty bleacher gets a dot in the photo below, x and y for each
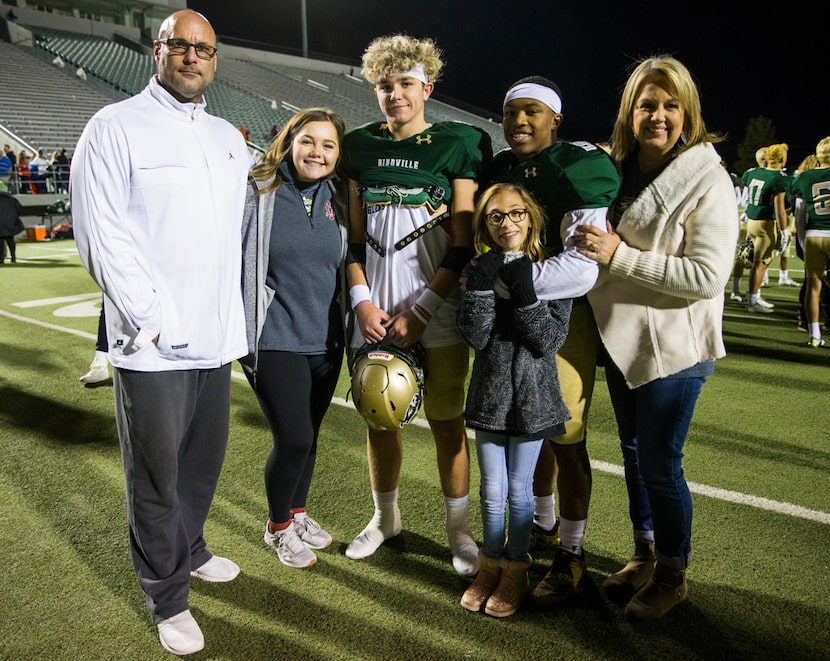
(256, 95)
(351, 96)
(292, 90)
(45, 105)
(124, 68)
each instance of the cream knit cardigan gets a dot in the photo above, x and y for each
(659, 304)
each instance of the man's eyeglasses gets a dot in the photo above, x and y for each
(496, 218)
(180, 47)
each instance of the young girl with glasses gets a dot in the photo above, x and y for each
(513, 400)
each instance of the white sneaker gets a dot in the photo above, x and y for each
(815, 342)
(290, 549)
(98, 372)
(788, 282)
(308, 530)
(759, 307)
(764, 303)
(372, 536)
(217, 570)
(735, 296)
(465, 559)
(181, 634)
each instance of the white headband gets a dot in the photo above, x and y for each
(535, 91)
(417, 73)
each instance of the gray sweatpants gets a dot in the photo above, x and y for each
(173, 431)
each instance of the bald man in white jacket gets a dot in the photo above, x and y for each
(158, 193)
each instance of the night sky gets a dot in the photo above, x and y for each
(746, 64)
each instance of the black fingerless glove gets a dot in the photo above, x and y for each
(482, 276)
(518, 276)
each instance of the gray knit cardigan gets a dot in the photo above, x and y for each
(514, 386)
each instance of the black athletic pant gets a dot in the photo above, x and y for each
(4, 241)
(173, 430)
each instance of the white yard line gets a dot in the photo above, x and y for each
(702, 489)
(711, 492)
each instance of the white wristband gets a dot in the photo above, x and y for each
(419, 315)
(358, 294)
(429, 301)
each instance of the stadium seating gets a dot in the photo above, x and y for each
(258, 96)
(52, 113)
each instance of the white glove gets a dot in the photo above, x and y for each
(783, 241)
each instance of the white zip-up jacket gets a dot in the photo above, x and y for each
(157, 193)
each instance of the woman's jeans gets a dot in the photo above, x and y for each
(507, 464)
(653, 421)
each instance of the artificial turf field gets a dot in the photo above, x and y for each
(757, 457)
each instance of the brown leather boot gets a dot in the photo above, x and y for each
(664, 590)
(485, 582)
(511, 591)
(624, 584)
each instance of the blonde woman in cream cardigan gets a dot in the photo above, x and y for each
(658, 303)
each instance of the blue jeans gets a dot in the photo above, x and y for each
(507, 464)
(653, 421)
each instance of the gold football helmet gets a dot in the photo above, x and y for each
(746, 253)
(388, 384)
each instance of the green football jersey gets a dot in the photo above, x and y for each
(813, 186)
(418, 170)
(762, 185)
(564, 177)
(403, 184)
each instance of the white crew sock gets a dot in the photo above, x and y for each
(385, 523)
(462, 545)
(544, 511)
(571, 534)
(385, 503)
(457, 512)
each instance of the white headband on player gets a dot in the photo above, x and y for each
(535, 91)
(417, 73)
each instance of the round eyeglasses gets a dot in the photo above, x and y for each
(496, 218)
(180, 47)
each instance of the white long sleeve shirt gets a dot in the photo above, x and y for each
(158, 192)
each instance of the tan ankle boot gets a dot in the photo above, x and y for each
(511, 591)
(485, 582)
(624, 584)
(664, 590)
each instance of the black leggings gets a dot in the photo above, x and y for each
(294, 391)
